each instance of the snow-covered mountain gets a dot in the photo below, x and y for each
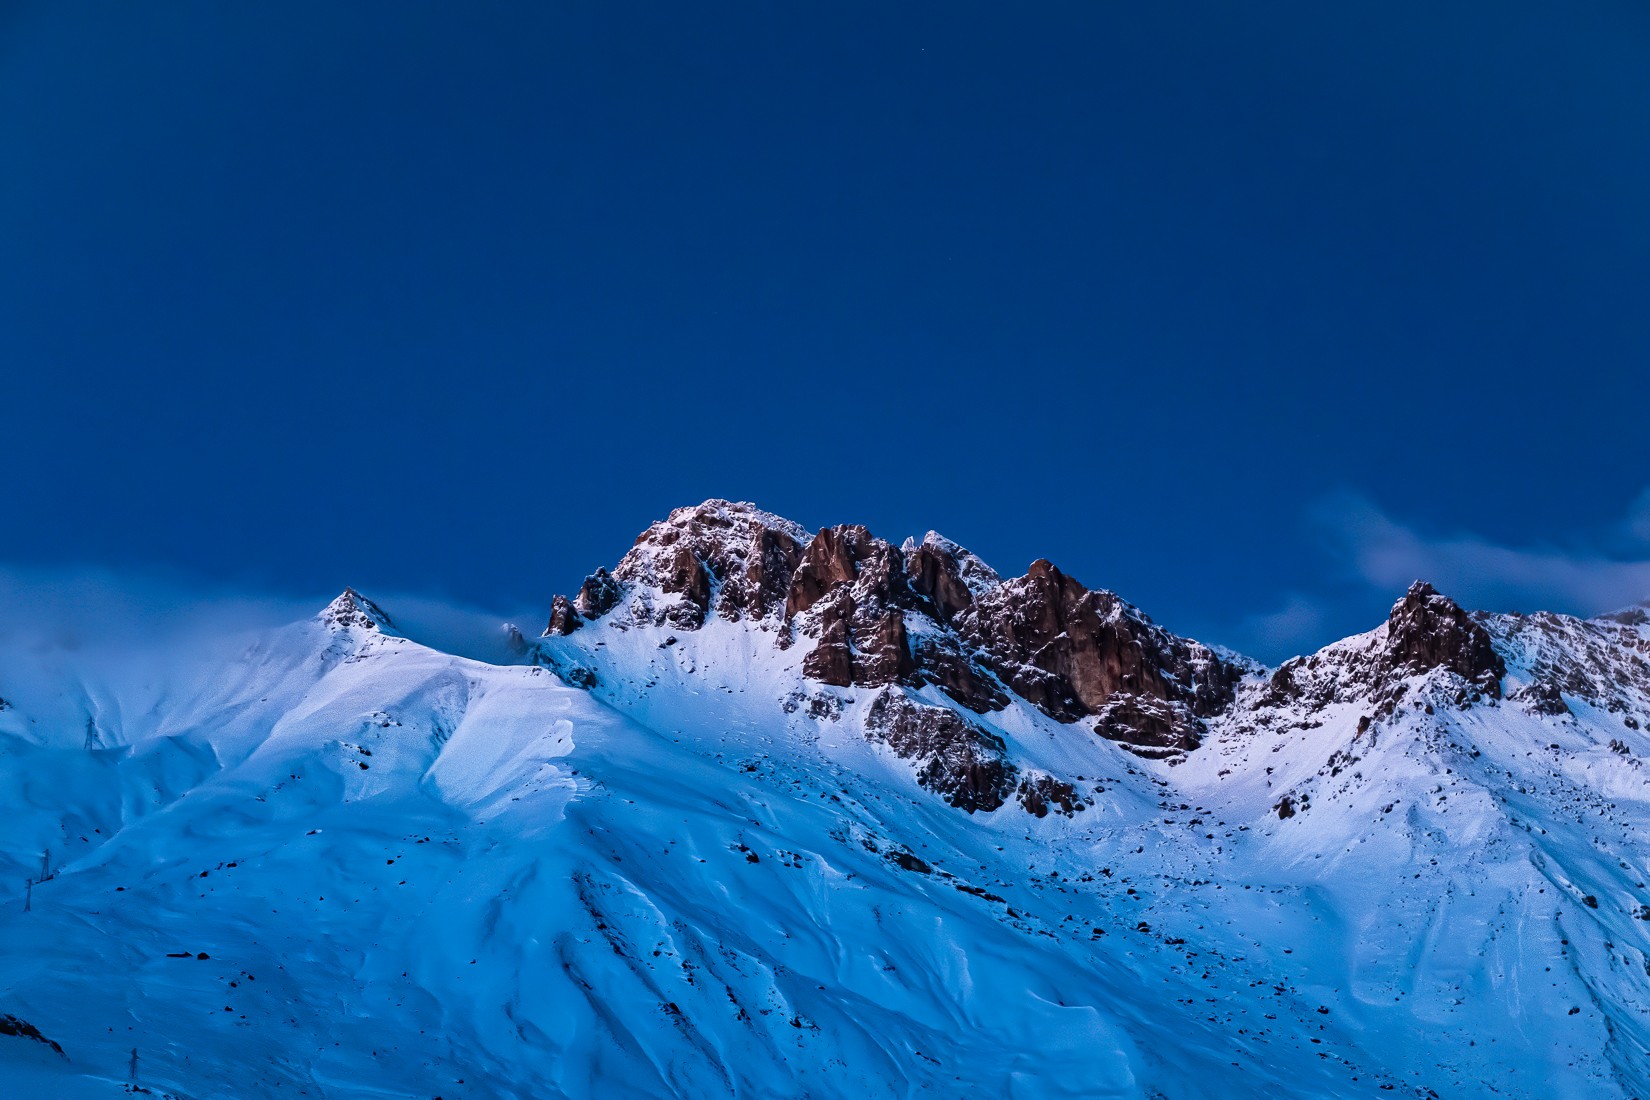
(771, 814)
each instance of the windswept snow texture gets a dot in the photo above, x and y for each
(330, 862)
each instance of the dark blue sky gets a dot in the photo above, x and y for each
(1201, 301)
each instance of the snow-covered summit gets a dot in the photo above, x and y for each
(353, 611)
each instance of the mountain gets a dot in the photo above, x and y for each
(768, 813)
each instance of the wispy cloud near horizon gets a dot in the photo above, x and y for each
(98, 609)
(1371, 557)
(1595, 574)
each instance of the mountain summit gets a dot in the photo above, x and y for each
(770, 812)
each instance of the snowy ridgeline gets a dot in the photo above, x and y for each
(648, 860)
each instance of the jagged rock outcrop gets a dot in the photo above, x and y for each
(1147, 725)
(855, 593)
(722, 557)
(945, 574)
(564, 619)
(598, 595)
(920, 613)
(849, 590)
(1426, 631)
(1073, 652)
(964, 764)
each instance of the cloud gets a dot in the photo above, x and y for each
(99, 612)
(1368, 558)
(88, 606)
(1298, 625)
(1384, 554)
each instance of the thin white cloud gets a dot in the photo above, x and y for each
(1370, 558)
(101, 611)
(1298, 625)
(1385, 554)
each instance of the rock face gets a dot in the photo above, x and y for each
(1077, 653)
(1068, 651)
(945, 574)
(1426, 631)
(598, 595)
(955, 759)
(563, 618)
(733, 560)
(850, 591)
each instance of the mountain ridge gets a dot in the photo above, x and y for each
(781, 813)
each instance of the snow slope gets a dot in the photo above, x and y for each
(328, 861)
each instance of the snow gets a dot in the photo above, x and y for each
(417, 875)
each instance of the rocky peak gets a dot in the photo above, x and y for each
(351, 610)
(923, 612)
(1426, 630)
(726, 557)
(945, 574)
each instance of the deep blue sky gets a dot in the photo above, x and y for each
(454, 299)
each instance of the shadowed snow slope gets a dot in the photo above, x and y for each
(658, 859)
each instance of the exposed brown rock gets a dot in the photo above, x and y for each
(729, 557)
(850, 589)
(1149, 727)
(859, 643)
(848, 554)
(1426, 631)
(770, 560)
(956, 759)
(831, 661)
(941, 659)
(936, 574)
(563, 618)
(1069, 650)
